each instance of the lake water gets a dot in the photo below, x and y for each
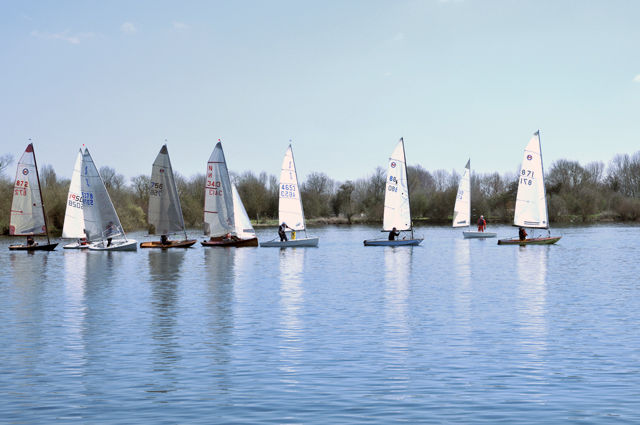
(452, 331)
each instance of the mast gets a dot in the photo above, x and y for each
(469, 193)
(298, 184)
(44, 212)
(546, 204)
(407, 174)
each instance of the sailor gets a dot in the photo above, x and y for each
(393, 234)
(164, 240)
(522, 234)
(30, 241)
(482, 224)
(281, 232)
(109, 232)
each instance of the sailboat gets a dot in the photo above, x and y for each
(225, 220)
(73, 227)
(397, 204)
(531, 200)
(165, 213)
(462, 208)
(101, 223)
(290, 207)
(27, 209)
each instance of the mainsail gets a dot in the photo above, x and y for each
(27, 212)
(73, 217)
(462, 209)
(290, 205)
(100, 218)
(531, 201)
(218, 198)
(397, 212)
(243, 227)
(165, 213)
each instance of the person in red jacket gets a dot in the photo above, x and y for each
(482, 224)
(522, 234)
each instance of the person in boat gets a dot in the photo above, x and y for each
(30, 241)
(282, 233)
(522, 234)
(109, 232)
(164, 240)
(393, 234)
(482, 224)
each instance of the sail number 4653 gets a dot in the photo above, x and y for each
(288, 190)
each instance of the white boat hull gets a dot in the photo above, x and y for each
(76, 246)
(475, 235)
(386, 242)
(128, 245)
(291, 244)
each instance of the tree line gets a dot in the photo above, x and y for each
(574, 192)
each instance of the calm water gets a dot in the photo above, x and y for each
(451, 331)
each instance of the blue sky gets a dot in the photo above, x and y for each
(343, 80)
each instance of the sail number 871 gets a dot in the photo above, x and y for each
(527, 176)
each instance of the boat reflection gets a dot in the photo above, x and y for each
(291, 302)
(531, 299)
(398, 263)
(463, 290)
(75, 310)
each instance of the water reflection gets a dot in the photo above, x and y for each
(75, 310)
(164, 274)
(463, 291)
(531, 266)
(291, 302)
(222, 266)
(398, 263)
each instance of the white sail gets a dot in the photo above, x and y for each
(218, 198)
(462, 209)
(100, 218)
(73, 217)
(27, 212)
(397, 212)
(531, 201)
(244, 229)
(290, 205)
(165, 213)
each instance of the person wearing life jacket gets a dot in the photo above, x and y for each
(282, 233)
(482, 224)
(522, 234)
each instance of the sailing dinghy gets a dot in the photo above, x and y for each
(397, 204)
(73, 227)
(290, 207)
(225, 220)
(101, 222)
(531, 200)
(27, 209)
(165, 212)
(462, 208)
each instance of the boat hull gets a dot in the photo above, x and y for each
(219, 241)
(76, 246)
(532, 241)
(128, 245)
(38, 247)
(291, 244)
(477, 235)
(172, 244)
(386, 242)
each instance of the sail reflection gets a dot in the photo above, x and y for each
(531, 301)
(291, 301)
(75, 309)
(221, 265)
(463, 289)
(398, 263)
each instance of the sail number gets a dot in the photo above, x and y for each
(214, 188)
(288, 190)
(393, 179)
(527, 176)
(87, 199)
(155, 189)
(21, 188)
(75, 201)
(460, 193)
